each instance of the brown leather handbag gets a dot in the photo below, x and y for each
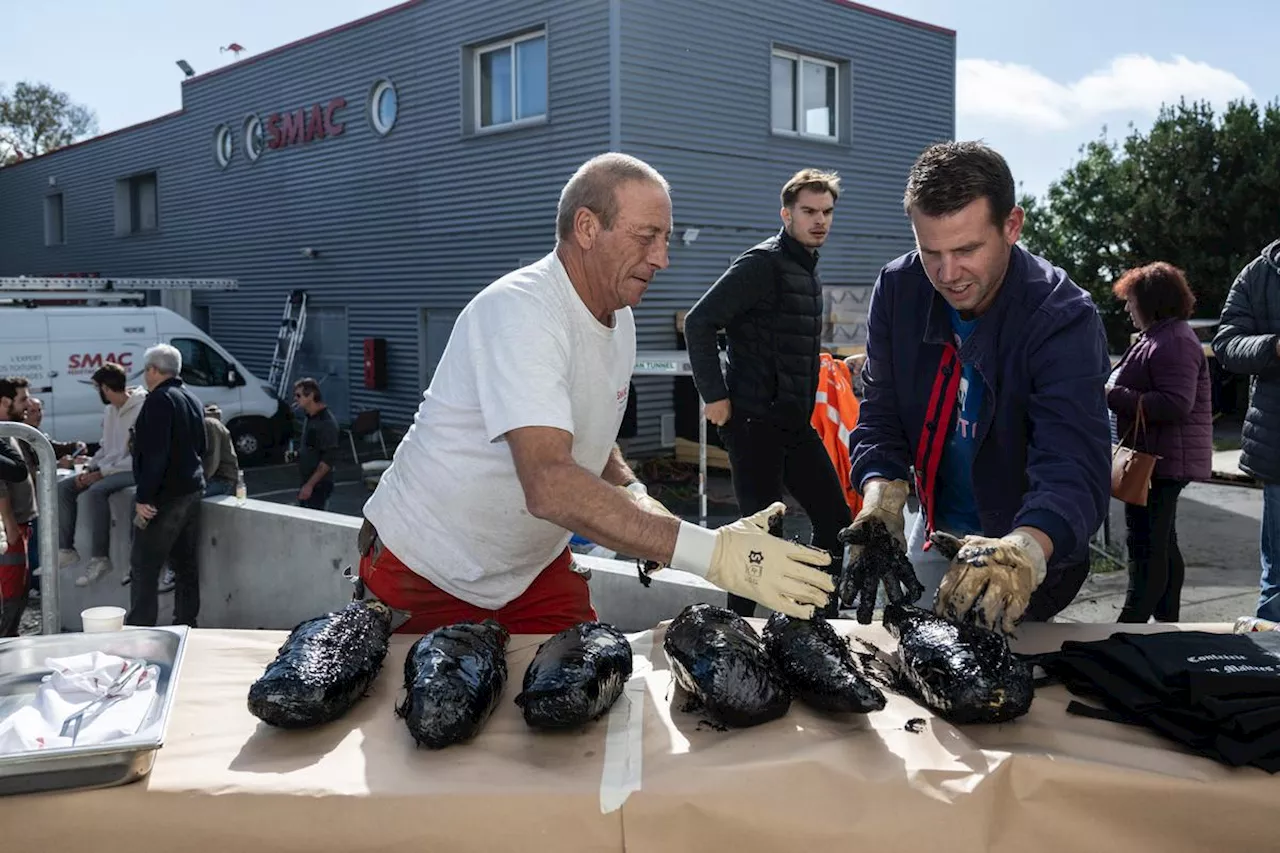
(1131, 469)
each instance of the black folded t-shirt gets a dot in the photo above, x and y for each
(1219, 694)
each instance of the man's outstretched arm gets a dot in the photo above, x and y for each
(742, 557)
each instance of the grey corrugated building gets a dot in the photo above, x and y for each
(418, 154)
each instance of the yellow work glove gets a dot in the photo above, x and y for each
(638, 493)
(883, 500)
(991, 580)
(745, 559)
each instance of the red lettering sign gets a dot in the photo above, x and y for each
(291, 128)
(84, 361)
(315, 123)
(305, 124)
(274, 140)
(332, 127)
(87, 362)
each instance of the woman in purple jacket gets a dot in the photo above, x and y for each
(1164, 372)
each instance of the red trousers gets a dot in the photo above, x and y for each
(13, 583)
(557, 599)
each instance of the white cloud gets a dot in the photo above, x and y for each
(1131, 84)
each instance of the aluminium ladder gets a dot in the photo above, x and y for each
(293, 325)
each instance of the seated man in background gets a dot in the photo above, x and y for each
(106, 472)
(221, 465)
(66, 451)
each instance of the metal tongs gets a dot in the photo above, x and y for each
(71, 725)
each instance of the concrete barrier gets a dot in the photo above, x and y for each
(270, 566)
(621, 600)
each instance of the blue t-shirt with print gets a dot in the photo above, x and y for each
(956, 509)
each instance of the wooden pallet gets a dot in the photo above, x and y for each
(687, 451)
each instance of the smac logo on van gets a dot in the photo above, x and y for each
(86, 363)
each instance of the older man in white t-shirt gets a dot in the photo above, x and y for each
(514, 445)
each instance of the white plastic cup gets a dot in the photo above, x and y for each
(97, 620)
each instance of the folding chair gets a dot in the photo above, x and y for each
(366, 423)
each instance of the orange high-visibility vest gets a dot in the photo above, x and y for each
(835, 414)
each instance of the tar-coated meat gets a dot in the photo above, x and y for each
(575, 677)
(325, 665)
(719, 660)
(818, 665)
(453, 678)
(965, 672)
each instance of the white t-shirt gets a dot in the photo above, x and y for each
(524, 352)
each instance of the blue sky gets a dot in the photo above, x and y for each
(1035, 79)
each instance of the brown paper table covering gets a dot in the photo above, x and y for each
(1048, 782)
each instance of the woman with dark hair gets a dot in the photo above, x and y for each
(1164, 376)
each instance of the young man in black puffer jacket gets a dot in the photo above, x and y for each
(168, 468)
(1248, 342)
(769, 302)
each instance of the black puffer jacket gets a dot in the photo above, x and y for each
(769, 302)
(1246, 343)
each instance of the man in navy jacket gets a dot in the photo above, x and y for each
(985, 377)
(168, 468)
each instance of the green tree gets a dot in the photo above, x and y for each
(1197, 190)
(1081, 225)
(35, 119)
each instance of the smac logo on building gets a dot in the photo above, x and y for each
(302, 125)
(297, 127)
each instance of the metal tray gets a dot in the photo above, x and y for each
(99, 765)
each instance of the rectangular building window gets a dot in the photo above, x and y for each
(510, 81)
(805, 95)
(55, 223)
(137, 204)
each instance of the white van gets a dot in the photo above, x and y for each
(58, 348)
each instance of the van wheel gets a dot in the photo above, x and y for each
(250, 440)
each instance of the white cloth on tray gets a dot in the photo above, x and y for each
(73, 683)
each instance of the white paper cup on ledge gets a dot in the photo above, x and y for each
(96, 620)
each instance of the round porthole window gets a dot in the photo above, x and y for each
(253, 138)
(383, 107)
(222, 145)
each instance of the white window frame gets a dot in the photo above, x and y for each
(476, 82)
(246, 129)
(129, 208)
(383, 84)
(798, 96)
(220, 133)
